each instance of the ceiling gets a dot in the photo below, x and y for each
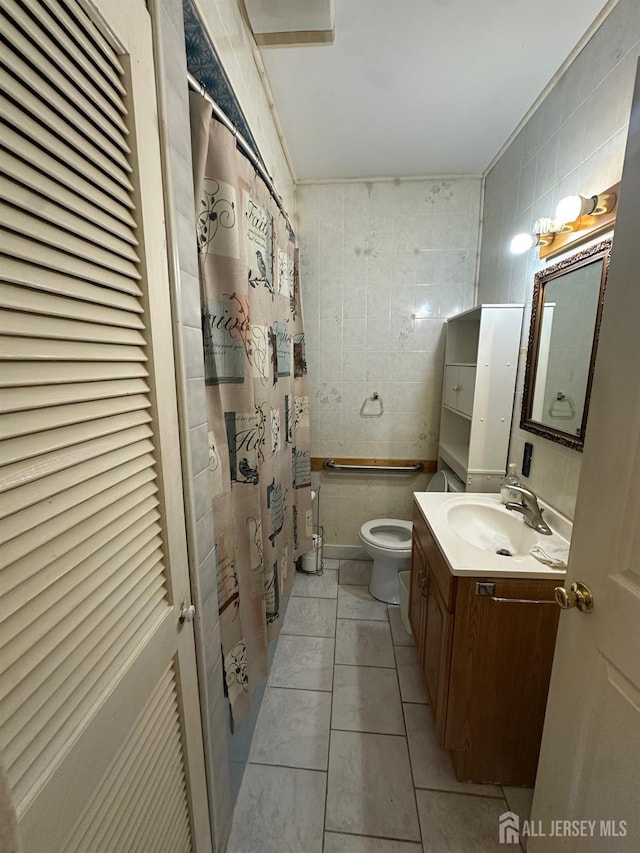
(419, 87)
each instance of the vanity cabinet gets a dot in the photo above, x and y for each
(481, 359)
(486, 664)
(431, 615)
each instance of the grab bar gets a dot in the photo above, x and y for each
(489, 589)
(330, 465)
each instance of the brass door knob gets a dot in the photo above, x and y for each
(578, 595)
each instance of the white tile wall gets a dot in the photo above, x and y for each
(372, 255)
(573, 143)
(171, 62)
(226, 28)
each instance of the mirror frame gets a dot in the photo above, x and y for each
(542, 278)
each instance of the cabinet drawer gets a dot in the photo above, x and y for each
(439, 571)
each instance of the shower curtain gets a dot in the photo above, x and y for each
(257, 399)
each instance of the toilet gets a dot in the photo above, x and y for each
(388, 542)
(445, 481)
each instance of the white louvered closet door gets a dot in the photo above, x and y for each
(100, 732)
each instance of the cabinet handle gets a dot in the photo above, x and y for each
(488, 589)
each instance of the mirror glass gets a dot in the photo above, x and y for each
(565, 321)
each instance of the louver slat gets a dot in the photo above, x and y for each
(68, 666)
(41, 326)
(62, 532)
(45, 747)
(66, 586)
(22, 399)
(46, 464)
(144, 816)
(77, 159)
(22, 373)
(149, 765)
(12, 296)
(28, 422)
(39, 230)
(56, 21)
(108, 204)
(80, 134)
(82, 30)
(128, 771)
(110, 807)
(22, 272)
(45, 207)
(105, 229)
(60, 482)
(33, 350)
(33, 519)
(73, 72)
(111, 124)
(60, 261)
(38, 444)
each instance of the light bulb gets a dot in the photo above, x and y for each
(522, 243)
(573, 207)
(546, 225)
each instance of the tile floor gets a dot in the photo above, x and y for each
(344, 757)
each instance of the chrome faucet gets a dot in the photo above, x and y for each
(530, 509)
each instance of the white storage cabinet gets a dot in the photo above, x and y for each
(481, 362)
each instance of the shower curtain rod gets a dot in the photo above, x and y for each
(242, 143)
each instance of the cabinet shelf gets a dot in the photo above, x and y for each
(457, 457)
(461, 364)
(481, 359)
(456, 412)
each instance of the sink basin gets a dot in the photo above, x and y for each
(492, 528)
(475, 533)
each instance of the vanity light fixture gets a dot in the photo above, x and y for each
(544, 231)
(577, 219)
(521, 243)
(573, 207)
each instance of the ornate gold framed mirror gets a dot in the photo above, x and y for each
(563, 339)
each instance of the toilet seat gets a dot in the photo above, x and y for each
(393, 534)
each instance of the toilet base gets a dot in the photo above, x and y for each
(385, 584)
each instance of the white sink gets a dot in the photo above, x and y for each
(492, 528)
(471, 529)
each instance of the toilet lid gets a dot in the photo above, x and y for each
(445, 481)
(392, 533)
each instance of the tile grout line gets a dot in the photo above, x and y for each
(436, 790)
(333, 670)
(404, 719)
(463, 793)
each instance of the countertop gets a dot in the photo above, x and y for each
(465, 559)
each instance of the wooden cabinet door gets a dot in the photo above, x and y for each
(500, 671)
(418, 581)
(437, 654)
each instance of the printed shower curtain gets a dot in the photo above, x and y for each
(257, 399)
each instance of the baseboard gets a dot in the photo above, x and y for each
(344, 552)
